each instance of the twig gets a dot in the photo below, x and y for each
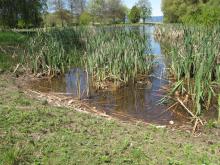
(195, 126)
(194, 116)
(18, 65)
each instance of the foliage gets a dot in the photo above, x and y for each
(10, 49)
(103, 10)
(53, 51)
(85, 18)
(206, 12)
(194, 53)
(145, 8)
(11, 38)
(22, 13)
(134, 15)
(77, 7)
(117, 55)
(115, 10)
(58, 18)
(97, 8)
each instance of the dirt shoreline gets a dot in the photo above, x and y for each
(62, 100)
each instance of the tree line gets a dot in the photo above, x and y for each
(15, 13)
(38, 13)
(201, 12)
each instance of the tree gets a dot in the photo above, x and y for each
(204, 12)
(134, 15)
(115, 10)
(145, 9)
(59, 8)
(97, 8)
(106, 10)
(77, 7)
(85, 18)
(22, 12)
(173, 10)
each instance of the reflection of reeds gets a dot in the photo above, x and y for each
(87, 84)
(194, 65)
(78, 83)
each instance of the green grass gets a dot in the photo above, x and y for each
(33, 133)
(11, 38)
(5, 62)
(11, 49)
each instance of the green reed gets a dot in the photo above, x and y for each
(108, 54)
(193, 57)
(54, 50)
(117, 55)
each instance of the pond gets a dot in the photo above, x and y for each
(140, 101)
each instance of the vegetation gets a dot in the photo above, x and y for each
(205, 12)
(55, 50)
(145, 8)
(118, 55)
(22, 13)
(10, 49)
(85, 18)
(114, 55)
(134, 15)
(107, 10)
(11, 38)
(34, 133)
(194, 53)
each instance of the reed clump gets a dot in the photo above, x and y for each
(112, 55)
(54, 50)
(195, 67)
(117, 56)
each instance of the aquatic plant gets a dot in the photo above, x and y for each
(194, 62)
(117, 55)
(108, 54)
(54, 50)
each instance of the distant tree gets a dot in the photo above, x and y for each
(134, 15)
(115, 10)
(145, 9)
(97, 8)
(23, 13)
(77, 7)
(106, 10)
(59, 7)
(125, 11)
(173, 10)
(204, 12)
(85, 18)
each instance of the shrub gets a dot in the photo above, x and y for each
(85, 18)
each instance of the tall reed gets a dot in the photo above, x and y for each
(193, 57)
(117, 55)
(54, 50)
(113, 55)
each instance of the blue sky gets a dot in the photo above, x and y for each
(156, 6)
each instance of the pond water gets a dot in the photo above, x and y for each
(133, 102)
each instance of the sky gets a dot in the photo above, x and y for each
(156, 6)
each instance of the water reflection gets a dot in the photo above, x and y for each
(138, 101)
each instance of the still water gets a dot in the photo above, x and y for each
(133, 102)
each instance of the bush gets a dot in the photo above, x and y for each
(134, 15)
(85, 18)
